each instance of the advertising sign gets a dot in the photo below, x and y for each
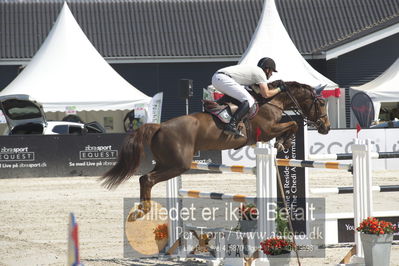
(346, 228)
(58, 155)
(293, 178)
(340, 141)
(71, 155)
(155, 108)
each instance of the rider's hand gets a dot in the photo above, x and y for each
(282, 87)
(279, 84)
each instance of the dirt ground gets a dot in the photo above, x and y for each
(34, 215)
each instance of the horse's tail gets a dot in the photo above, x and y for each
(130, 155)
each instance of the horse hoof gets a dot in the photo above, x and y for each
(142, 209)
(279, 146)
(287, 145)
(134, 216)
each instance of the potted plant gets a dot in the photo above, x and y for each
(376, 236)
(248, 217)
(161, 236)
(278, 250)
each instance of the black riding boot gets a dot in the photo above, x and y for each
(231, 128)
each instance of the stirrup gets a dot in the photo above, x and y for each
(231, 130)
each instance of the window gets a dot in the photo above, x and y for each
(60, 129)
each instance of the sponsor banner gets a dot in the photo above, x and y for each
(70, 110)
(293, 178)
(340, 141)
(244, 156)
(71, 155)
(58, 155)
(346, 228)
(20, 157)
(87, 155)
(155, 108)
(337, 141)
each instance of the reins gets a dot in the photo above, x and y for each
(281, 109)
(298, 110)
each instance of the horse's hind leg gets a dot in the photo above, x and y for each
(173, 157)
(149, 180)
(154, 177)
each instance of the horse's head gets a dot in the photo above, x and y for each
(303, 98)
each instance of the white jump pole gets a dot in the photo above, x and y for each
(172, 194)
(362, 187)
(266, 193)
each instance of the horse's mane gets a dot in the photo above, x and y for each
(293, 86)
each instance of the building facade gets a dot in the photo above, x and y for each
(153, 44)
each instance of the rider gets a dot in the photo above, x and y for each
(232, 81)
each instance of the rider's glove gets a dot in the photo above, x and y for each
(282, 86)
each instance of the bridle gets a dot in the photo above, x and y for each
(315, 101)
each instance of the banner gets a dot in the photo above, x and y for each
(331, 93)
(72, 155)
(155, 108)
(293, 178)
(363, 108)
(340, 141)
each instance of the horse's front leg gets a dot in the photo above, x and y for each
(284, 133)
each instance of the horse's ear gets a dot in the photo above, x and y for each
(318, 89)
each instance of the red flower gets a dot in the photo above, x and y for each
(276, 246)
(372, 225)
(248, 212)
(161, 232)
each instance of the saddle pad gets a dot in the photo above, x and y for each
(223, 112)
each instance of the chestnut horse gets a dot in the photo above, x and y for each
(174, 142)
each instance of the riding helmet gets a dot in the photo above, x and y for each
(267, 62)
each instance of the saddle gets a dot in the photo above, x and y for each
(226, 109)
(222, 111)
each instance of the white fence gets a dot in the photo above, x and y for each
(337, 141)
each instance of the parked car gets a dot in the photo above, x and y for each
(389, 124)
(26, 116)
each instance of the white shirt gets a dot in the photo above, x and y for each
(245, 74)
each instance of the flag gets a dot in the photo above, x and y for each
(331, 93)
(155, 108)
(73, 242)
(358, 128)
(217, 95)
(363, 108)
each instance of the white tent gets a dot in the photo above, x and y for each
(385, 88)
(272, 40)
(67, 73)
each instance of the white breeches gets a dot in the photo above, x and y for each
(229, 86)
